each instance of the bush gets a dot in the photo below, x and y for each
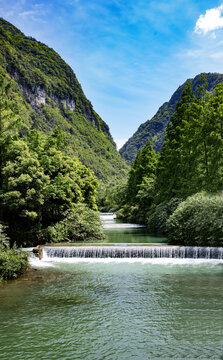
(198, 221)
(80, 224)
(55, 233)
(156, 222)
(13, 262)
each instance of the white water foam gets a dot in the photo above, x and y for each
(108, 222)
(107, 216)
(50, 261)
(35, 262)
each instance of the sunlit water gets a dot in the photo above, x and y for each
(114, 309)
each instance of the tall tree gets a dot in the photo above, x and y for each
(143, 167)
(211, 139)
(170, 170)
(191, 158)
(185, 147)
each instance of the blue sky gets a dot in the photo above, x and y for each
(129, 56)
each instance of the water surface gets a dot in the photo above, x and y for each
(114, 309)
(119, 232)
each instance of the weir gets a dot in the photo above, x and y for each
(184, 252)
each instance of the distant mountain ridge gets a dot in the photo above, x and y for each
(154, 129)
(48, 95)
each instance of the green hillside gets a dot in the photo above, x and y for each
(49, 95)
(154, 129)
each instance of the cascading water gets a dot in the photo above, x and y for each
(177, 252)
(109, 222)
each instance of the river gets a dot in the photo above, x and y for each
(114, 308)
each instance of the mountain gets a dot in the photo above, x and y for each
(48, 95)
(154, 129)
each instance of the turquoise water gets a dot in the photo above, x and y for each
(134, 235)
(118, 232)
(112, 309)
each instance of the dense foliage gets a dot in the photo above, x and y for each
(197, 221)
(139, 191)
(155, 128)
(157, 221)
(112, 199)
(192, 155)
(49, 95)
(80, 224)
(12, 261)
(39, 181)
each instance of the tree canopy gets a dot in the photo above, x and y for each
(39, 180)
(191, 162)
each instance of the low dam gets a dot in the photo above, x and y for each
(184, 252)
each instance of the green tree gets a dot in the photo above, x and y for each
(144, 166)
(211, 142)
(24, 190)
(70, 181)
(140, 186)
(40, 182)
(184, 167)
(135, 178)
(175, 157)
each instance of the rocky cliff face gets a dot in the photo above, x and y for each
(37, 95)
(154, 129)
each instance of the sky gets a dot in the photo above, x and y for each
(129, 55)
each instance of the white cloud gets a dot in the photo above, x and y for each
(212, 20)
(35, 13)
(27, 13)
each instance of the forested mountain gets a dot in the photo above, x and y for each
(154, 129)
(49, 95)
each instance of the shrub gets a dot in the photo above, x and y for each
(83, 223)
(156, 222)
(80, 224)
(13, 262)
(55, 233)
(198, 221)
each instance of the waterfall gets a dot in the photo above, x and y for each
(184, 252)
